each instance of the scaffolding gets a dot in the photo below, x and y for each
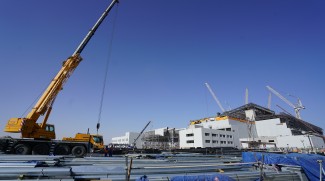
(169, 140)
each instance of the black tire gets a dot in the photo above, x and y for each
(41, 149)
(78, 151)
(22, 149)
(62, 150)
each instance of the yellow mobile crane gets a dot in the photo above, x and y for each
(39, 138)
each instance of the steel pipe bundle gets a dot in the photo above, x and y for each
(114, 168)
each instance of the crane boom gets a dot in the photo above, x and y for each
(296, 108)
(215, 97)
(280, 96)
(93, 30)
(27, 126)
(269, 101)
(136, 139)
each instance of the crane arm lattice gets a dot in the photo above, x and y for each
(215, 97)
(280, 96)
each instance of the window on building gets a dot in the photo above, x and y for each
(214, 141)
(221, 142)
(271, 141)
(190, 134)
(230, 136)
(207, 141)
(228, 129)
(229, 142)
(214, 135)
(206, 134)
(190, 141)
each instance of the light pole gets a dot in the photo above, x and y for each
(303, 144)
(311, 145)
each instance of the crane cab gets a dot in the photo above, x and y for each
(97, 142)
(48, 133)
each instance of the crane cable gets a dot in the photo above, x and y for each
(34, 102)
(106, 70)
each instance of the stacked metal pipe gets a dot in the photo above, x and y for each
(114, 168)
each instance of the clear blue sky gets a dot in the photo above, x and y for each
(162, 53)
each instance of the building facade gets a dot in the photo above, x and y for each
(248, 126)
(278, 132)
(162, 138)
(221, 131)
(196, 136)
(127, 140)
(251, 126)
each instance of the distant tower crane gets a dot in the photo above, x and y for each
(297, 107)
(215, 97)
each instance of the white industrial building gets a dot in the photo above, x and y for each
(215, 132)
(251, 126)
(196, 136)
(285, 131)
(127, 140)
